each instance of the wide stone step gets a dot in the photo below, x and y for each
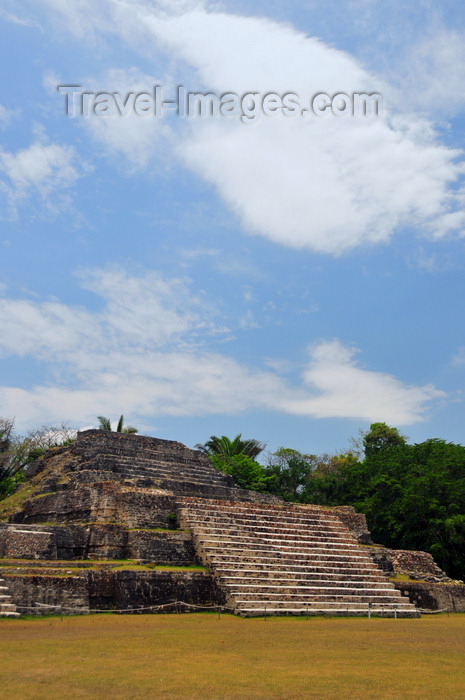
(7, 607)
(162, 475)
(264, 583)
(235, 509)
(276, 513)
(323, 604)
(160, 469)
(280, 506)
(232, 542)
(220, 530)
(253, 530)
(274, 508)
(271, 521)
(291, 553)
(307, 594)
(329, 579)
(337, 611)
(292, 564)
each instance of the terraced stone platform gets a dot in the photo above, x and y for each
(150, 502)
(288, 560)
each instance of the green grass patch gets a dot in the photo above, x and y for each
(15, 502)
(402, 577)
(157, 567)
(29, 567)
(199, 656)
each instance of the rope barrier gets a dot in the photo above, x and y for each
(174, 603)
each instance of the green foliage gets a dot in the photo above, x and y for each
(105, 424)
(289, 472)
(17, 452)
(173, 521)
(246, 472)
(381, 437)
(329, 483)
(9, 483)
(226, 447)
(412, 495)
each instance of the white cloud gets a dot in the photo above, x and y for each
(141, 351)
(325, 183)
(14, 19)
(83, 18)
(434, 74)
(328, 184)
(346, 390)
(136, 138)
(44, 169)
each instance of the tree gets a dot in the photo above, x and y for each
(105, 424)
(381, 437)
(331, 480)
(413, 496)
(246, 472)
(289, 472)
(17, 452)
(237, 458)
(6, 440)
(226, 447)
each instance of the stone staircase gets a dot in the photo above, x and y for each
(288, 560)
(7, 608)
(146, 472)
(149, 462)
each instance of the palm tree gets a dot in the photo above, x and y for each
(227, 448)
(105, 424)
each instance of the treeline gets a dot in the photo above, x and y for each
(412, 495)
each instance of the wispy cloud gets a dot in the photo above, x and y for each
(147, 350)
(7, 116)
(43, 170)
(15, 19)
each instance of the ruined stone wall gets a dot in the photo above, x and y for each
(355, 522)
(33, 594)
(98, 541)
(107, 502)
(130, 590)
(428, 587)
(113, 590)
(434, 596)
(414, 564)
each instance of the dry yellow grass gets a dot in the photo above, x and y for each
(199, 656)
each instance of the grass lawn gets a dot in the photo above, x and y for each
(199, 656)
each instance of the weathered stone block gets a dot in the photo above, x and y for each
(43, 595)
(434, 596)
(169, 547)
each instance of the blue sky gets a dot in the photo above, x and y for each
(293, 279)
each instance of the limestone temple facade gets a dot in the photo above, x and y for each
(137, 524)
